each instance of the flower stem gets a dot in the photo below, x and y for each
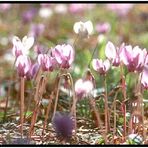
(73, 109)
(123, 83)
(57, 95)
(139, 90)
(8, 93)
(107, 128)
(47, 114)
(42, 84)
(22, 105)
(114, 104)
(97, 114)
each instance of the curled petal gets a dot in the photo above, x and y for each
(144, 78)
(110, 51)
(106, 65)
(28, 42)
(64, 54)
(83, 29)
(23, 65)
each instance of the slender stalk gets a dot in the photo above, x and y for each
(93, 104)
(22, 105)
(46, 115)
(114, 103)
(139, 90)
(28, 105)
(35, 113)
(123, 83)
(92, 55)
(73, 109)
(57, 95)
(6, 107)
(8, 93)
(75, 41)
(37, 89)
(106, 110)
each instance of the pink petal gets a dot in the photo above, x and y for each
(110, 51)
(144, 79)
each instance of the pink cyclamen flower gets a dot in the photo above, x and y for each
(78, 8)
(36, 30)
(32, 71)
(28, 15)
(22, 47)
(23, 65)
(133, 58)
(64, 54)
(83, 87)
(47, 63)
(113, 54)
(144, 78)
(5, 7)
(103, 27)
(101, 66)
(120, 9)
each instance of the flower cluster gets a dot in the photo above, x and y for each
(61, 56)
(134, 58)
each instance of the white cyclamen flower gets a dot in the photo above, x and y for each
(83, 29)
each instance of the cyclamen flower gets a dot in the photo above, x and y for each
(83, 29)
(5, 7)
(33, 71)
(144, 78)
(83, 87)
(39, 49)
(133, 58)
(78, 8)
(47, 63)
(63, 124)
(100, 66)
(36, 30)
(28, 15)
(22, 47)
(64, 54)
(120, 9)
(23, 65)
(45, 12)
(60, 8)
(103, 27)
(112, 53)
